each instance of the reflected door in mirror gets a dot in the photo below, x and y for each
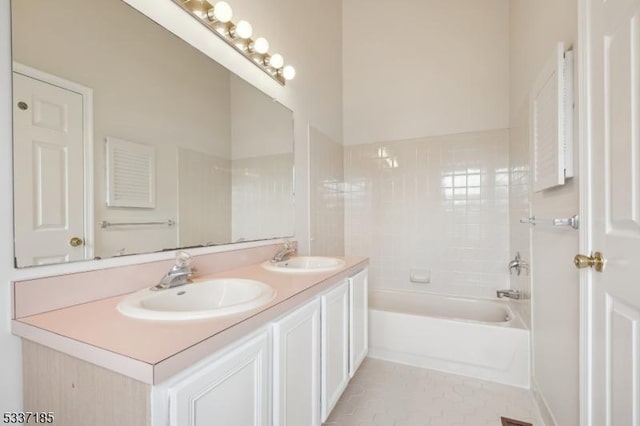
(48, 153)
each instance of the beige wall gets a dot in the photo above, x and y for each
(309, 36)
(419, 68)
(535, 27)
(315, 96)
(259, 126)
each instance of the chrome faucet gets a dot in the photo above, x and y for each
(285, 252)
(517, 264)
(179, 274)
(511, 294)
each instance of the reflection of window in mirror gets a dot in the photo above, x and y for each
(223, 150)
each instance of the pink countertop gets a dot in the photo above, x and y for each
(152, 351)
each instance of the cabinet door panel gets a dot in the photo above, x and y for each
(359, 314)
(335, 346)
(232, 390)
(297, 367)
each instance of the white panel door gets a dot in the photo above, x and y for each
(611, 392)
(296, 372)
(233, 390)
(335, 346)
(48, 172)
(358, 324)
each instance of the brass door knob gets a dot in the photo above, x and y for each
(581, 261)
(75, 242)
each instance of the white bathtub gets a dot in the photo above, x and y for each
(471, 337)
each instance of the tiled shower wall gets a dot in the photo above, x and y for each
(204, 198)
(326, 177)
(437, 206)
(262, 185)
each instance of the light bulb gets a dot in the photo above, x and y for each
(221, 12)
(260, 45)
(288, 72)
(276, 61)
(242, 30)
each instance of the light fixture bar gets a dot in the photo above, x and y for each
(217, 18)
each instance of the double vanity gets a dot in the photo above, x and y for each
(268, 343)
(210, 298)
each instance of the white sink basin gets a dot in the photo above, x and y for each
(198, 300)
(305, 264)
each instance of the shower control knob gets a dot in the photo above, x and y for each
(595, 260)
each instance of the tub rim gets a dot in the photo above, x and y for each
(514, 319)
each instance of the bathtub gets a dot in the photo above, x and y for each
(479, 338)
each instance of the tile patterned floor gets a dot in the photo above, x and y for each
(387, 394)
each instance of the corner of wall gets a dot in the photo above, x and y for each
(11, 366)
(541, 403)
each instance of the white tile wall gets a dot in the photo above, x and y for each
(262, 204)
(326, 170)
(437, 203)
(204, 198)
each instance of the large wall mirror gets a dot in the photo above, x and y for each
(129, 140)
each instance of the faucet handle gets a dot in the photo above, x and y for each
(183, 259)
(518, 264)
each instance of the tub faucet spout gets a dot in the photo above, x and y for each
(511, 294)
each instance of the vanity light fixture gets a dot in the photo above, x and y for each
(220, 12)
(242, 30)
(259, 45)
(275, 61)
(217, 18)
(199, 8)
(288, 72)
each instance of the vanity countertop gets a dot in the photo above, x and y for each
(152, 351)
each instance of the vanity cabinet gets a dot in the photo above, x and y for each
(358, 320)
(335, 346)
(296, 367)
(230, 390)
(290, 372)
